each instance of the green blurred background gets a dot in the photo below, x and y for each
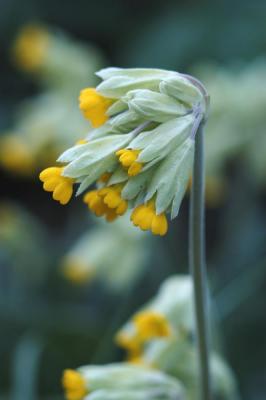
(48, 324)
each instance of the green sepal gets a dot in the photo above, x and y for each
(181, 89)
(159, 141)
(83, 156)
(154, 106)
(136, 184)
(117, 83)
(119, 175)
(94, 172)
(171, 177)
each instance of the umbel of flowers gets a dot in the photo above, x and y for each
(141, 150)
(159, 340)
(161, 335)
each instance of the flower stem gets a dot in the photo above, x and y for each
(197, 264)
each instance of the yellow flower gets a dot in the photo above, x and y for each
(112, 198)
(61, 186)
(15, 156)
(94, 106)
(131, 343)
(150, 324)
(74, 385)
(96, 204)
(145, 217)
(127, 158)
(75, 271)
(31, 47)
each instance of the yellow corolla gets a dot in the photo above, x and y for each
(144, 216)
(96, 204)
(150, 324)
(94, 106)
(127, 158)
(61, 186)
(74, 385)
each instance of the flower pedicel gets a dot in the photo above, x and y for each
(140, 153)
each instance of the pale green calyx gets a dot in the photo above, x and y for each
(127, 382)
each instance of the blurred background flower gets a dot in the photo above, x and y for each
(115, 254)
(48, 122)
(49, 323)
(162, 336)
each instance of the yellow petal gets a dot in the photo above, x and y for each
(159, 225)
(151, 324)
(134, 169)
(120, 152)
(127, 158)
(142, 217)
(67, 194)
(94, 106)
(89, 195)
(122, 208)
(74, 385)
(50, 172)
(50, 184)
(112, 199)
(63, 193)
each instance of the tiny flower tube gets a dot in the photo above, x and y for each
(144, 216)
(94, 106)
(74, 385)
(127, 158)
(150, 324)
(61, 186)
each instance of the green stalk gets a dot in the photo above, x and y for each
(197, 264)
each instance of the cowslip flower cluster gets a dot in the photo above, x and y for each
(168, 316)
(140, 151)
(120, 381)
(55, 58)
(48, 122)
(161, 336)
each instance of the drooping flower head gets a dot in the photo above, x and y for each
(145, 122)
(162, 336)
(169, 315)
